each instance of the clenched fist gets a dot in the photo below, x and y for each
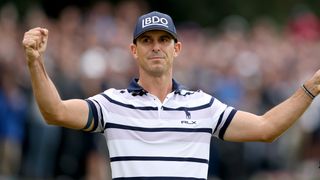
(35, 43)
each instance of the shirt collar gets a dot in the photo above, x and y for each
(136, 89)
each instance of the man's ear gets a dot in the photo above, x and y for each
(177, 48)
(133, 48)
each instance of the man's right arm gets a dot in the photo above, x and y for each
(69, 113)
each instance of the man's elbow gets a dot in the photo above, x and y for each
(268, 139)
(268, 132)
(269, 136)
(52, 119)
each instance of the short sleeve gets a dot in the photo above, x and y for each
(98, 112)
(225, 115)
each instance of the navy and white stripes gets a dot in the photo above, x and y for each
(149, 139)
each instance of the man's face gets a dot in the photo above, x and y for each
(154, 52)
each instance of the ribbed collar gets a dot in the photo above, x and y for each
(136, 89)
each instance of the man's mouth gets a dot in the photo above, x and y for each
(155, 58)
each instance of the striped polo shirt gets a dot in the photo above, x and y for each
(150, 139)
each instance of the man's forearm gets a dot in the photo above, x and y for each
(45, 92)
(282, 116)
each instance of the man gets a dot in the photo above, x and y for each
(156, 129)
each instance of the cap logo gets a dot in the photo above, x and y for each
(154, 20)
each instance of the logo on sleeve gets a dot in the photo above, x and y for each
(154, 20)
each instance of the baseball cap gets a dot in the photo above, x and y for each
(154, 21)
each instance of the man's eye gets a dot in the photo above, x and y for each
(164, 39)
(145, 40)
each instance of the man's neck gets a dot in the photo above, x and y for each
(158, 86)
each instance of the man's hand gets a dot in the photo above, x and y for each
(317, 77)
(35, 43)
(313, 85)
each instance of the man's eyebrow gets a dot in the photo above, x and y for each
(161, 36)
(166, 36)
(144, 36)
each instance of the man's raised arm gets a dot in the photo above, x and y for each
(249, 127)
(70, 113)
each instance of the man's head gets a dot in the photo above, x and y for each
(154, 21)
(155, 44)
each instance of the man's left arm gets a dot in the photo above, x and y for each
(267, 127)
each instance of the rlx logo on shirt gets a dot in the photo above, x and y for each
(188, 122)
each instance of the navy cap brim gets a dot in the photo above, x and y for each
(155, 28)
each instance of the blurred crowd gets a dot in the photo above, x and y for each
(251, 66)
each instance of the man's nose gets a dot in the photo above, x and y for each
(156, 46)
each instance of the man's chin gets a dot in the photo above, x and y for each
(157, 72)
